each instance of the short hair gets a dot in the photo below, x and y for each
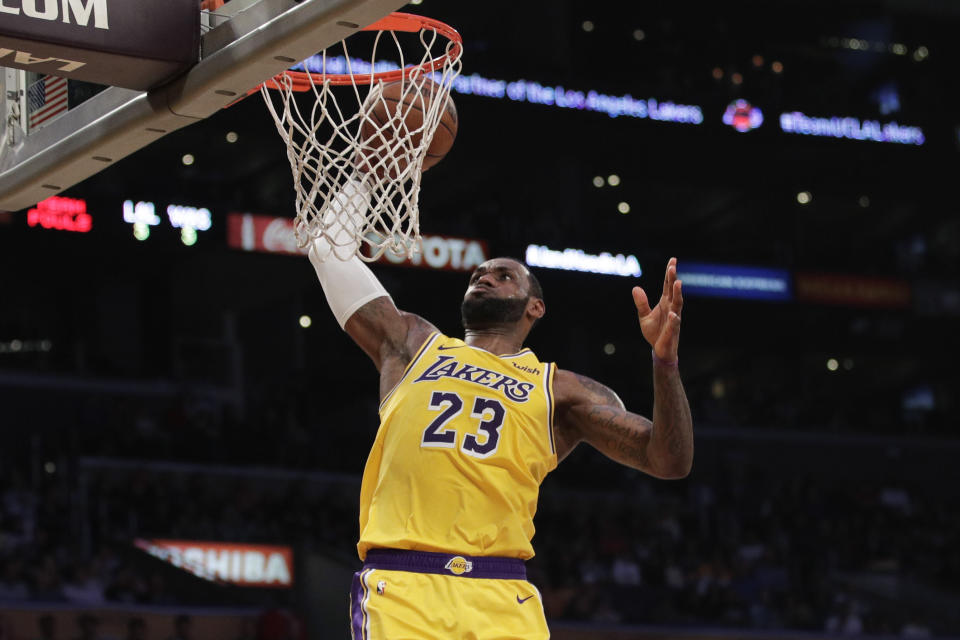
(535, 289)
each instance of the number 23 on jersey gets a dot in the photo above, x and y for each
(487, 413)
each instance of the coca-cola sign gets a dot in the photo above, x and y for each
(252, 232)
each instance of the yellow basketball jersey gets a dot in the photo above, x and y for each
(465, 439)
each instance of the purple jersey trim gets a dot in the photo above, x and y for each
(428, 562)
(358, 598)
(548, 389)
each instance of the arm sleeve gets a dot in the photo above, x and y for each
(347, 282)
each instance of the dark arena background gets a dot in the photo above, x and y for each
(183, 424)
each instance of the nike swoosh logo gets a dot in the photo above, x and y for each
(442, 348)
(524, 600)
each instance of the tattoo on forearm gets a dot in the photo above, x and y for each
(663, 447)
(672, 422)
(628, 442)
(613, 425)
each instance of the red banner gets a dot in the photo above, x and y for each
(854, 291)
(252, 232)
(246, 565)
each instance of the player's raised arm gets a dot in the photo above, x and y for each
(588, 411)
(360, 303)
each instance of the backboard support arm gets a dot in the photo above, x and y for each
(257, 40)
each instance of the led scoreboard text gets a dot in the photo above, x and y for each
(578, 260)
(740, 114)
(143, 215)
(532, 92)
(64, 214)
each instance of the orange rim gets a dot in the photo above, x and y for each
(303, 80)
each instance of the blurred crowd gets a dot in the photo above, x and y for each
(270, 624)
(751, 550)
(731, 546)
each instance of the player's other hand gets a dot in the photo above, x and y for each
(661, 324)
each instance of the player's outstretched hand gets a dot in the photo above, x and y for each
(661, 324)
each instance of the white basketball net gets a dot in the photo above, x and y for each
(361, 192)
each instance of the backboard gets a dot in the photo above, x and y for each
(243, 43)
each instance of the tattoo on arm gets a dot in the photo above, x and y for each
(377, 328)
(663, 448)
(378, 312)
(602, 392)
(613, 430)
(625, 442)
(673, 424)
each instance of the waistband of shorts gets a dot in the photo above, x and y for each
(446, 564)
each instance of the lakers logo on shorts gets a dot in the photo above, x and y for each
(458, 565)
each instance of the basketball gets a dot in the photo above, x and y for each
(397, 111)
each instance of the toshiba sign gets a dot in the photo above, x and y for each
(245, 565)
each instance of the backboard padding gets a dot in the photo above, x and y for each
(257, 40)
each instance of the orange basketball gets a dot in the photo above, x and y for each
(396, 113)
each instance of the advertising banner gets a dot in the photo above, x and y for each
(578, 260)
(443, 253)
(267, 234)
(136, 44)
(245, 565)
(734, 281)
(854, 291)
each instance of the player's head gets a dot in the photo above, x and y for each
(502, 293)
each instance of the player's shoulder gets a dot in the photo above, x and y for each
(416, 322)
(418, 330)
(570, 388)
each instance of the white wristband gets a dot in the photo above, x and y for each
(344, 219)
(347, 282)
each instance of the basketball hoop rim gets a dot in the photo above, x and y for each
(397, 21)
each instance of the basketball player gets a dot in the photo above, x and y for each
(469, 429)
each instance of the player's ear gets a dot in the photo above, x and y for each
(536, 308)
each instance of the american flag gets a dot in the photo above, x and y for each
(46, 98)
